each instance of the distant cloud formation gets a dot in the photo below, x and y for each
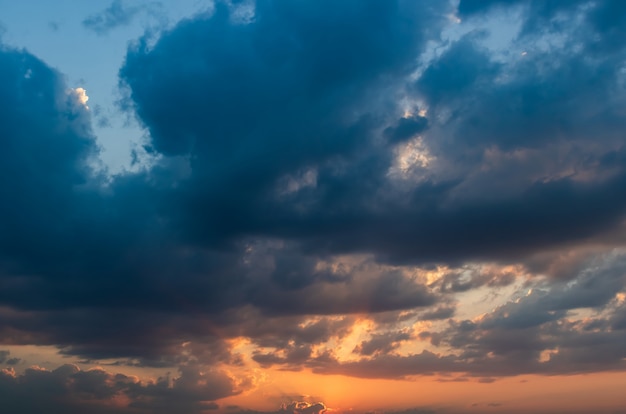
(118, 14)
(303, 408)
(320, 174)
(69, 389)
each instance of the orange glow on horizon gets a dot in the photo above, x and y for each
(526, 393)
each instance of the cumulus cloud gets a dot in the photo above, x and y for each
(492, 189)
(81, 96)
(270, 215)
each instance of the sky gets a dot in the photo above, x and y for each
(299, 207)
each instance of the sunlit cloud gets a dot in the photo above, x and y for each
(80, 94)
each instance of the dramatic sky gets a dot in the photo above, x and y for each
(359, 206)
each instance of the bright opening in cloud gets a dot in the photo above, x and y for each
(410, 156)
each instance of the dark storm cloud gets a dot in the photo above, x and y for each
(461, 67)
(138, 237)
(273, 140)
(46, 148)
(541, 17)
(68, 389)
(469, 7)
(525, 136)
(291, 98)
(176, 310)
(283, 66)
(264, 117)
(118, 14)
(532, 10)
(66, 242)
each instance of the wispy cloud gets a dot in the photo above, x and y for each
(119, 14)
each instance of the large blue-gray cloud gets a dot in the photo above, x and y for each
(274, 139)
(292, 102)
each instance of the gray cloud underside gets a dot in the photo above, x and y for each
(67, 389)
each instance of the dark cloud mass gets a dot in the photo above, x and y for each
(317, 165)
(301, 156)
(68, 389)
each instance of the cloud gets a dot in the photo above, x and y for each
(70, 389)
(5, 359)
(142, 238)
(47, 152)
(270, 213)
(294, 104)
(469, 278)
(294, 407)
(406, 128)
(118, 14)
(303, 408)
(491, 192)
(538, 333)
(382, 343)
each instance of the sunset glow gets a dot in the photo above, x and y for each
(313, 206)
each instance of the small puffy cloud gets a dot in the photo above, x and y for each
(81, 96)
